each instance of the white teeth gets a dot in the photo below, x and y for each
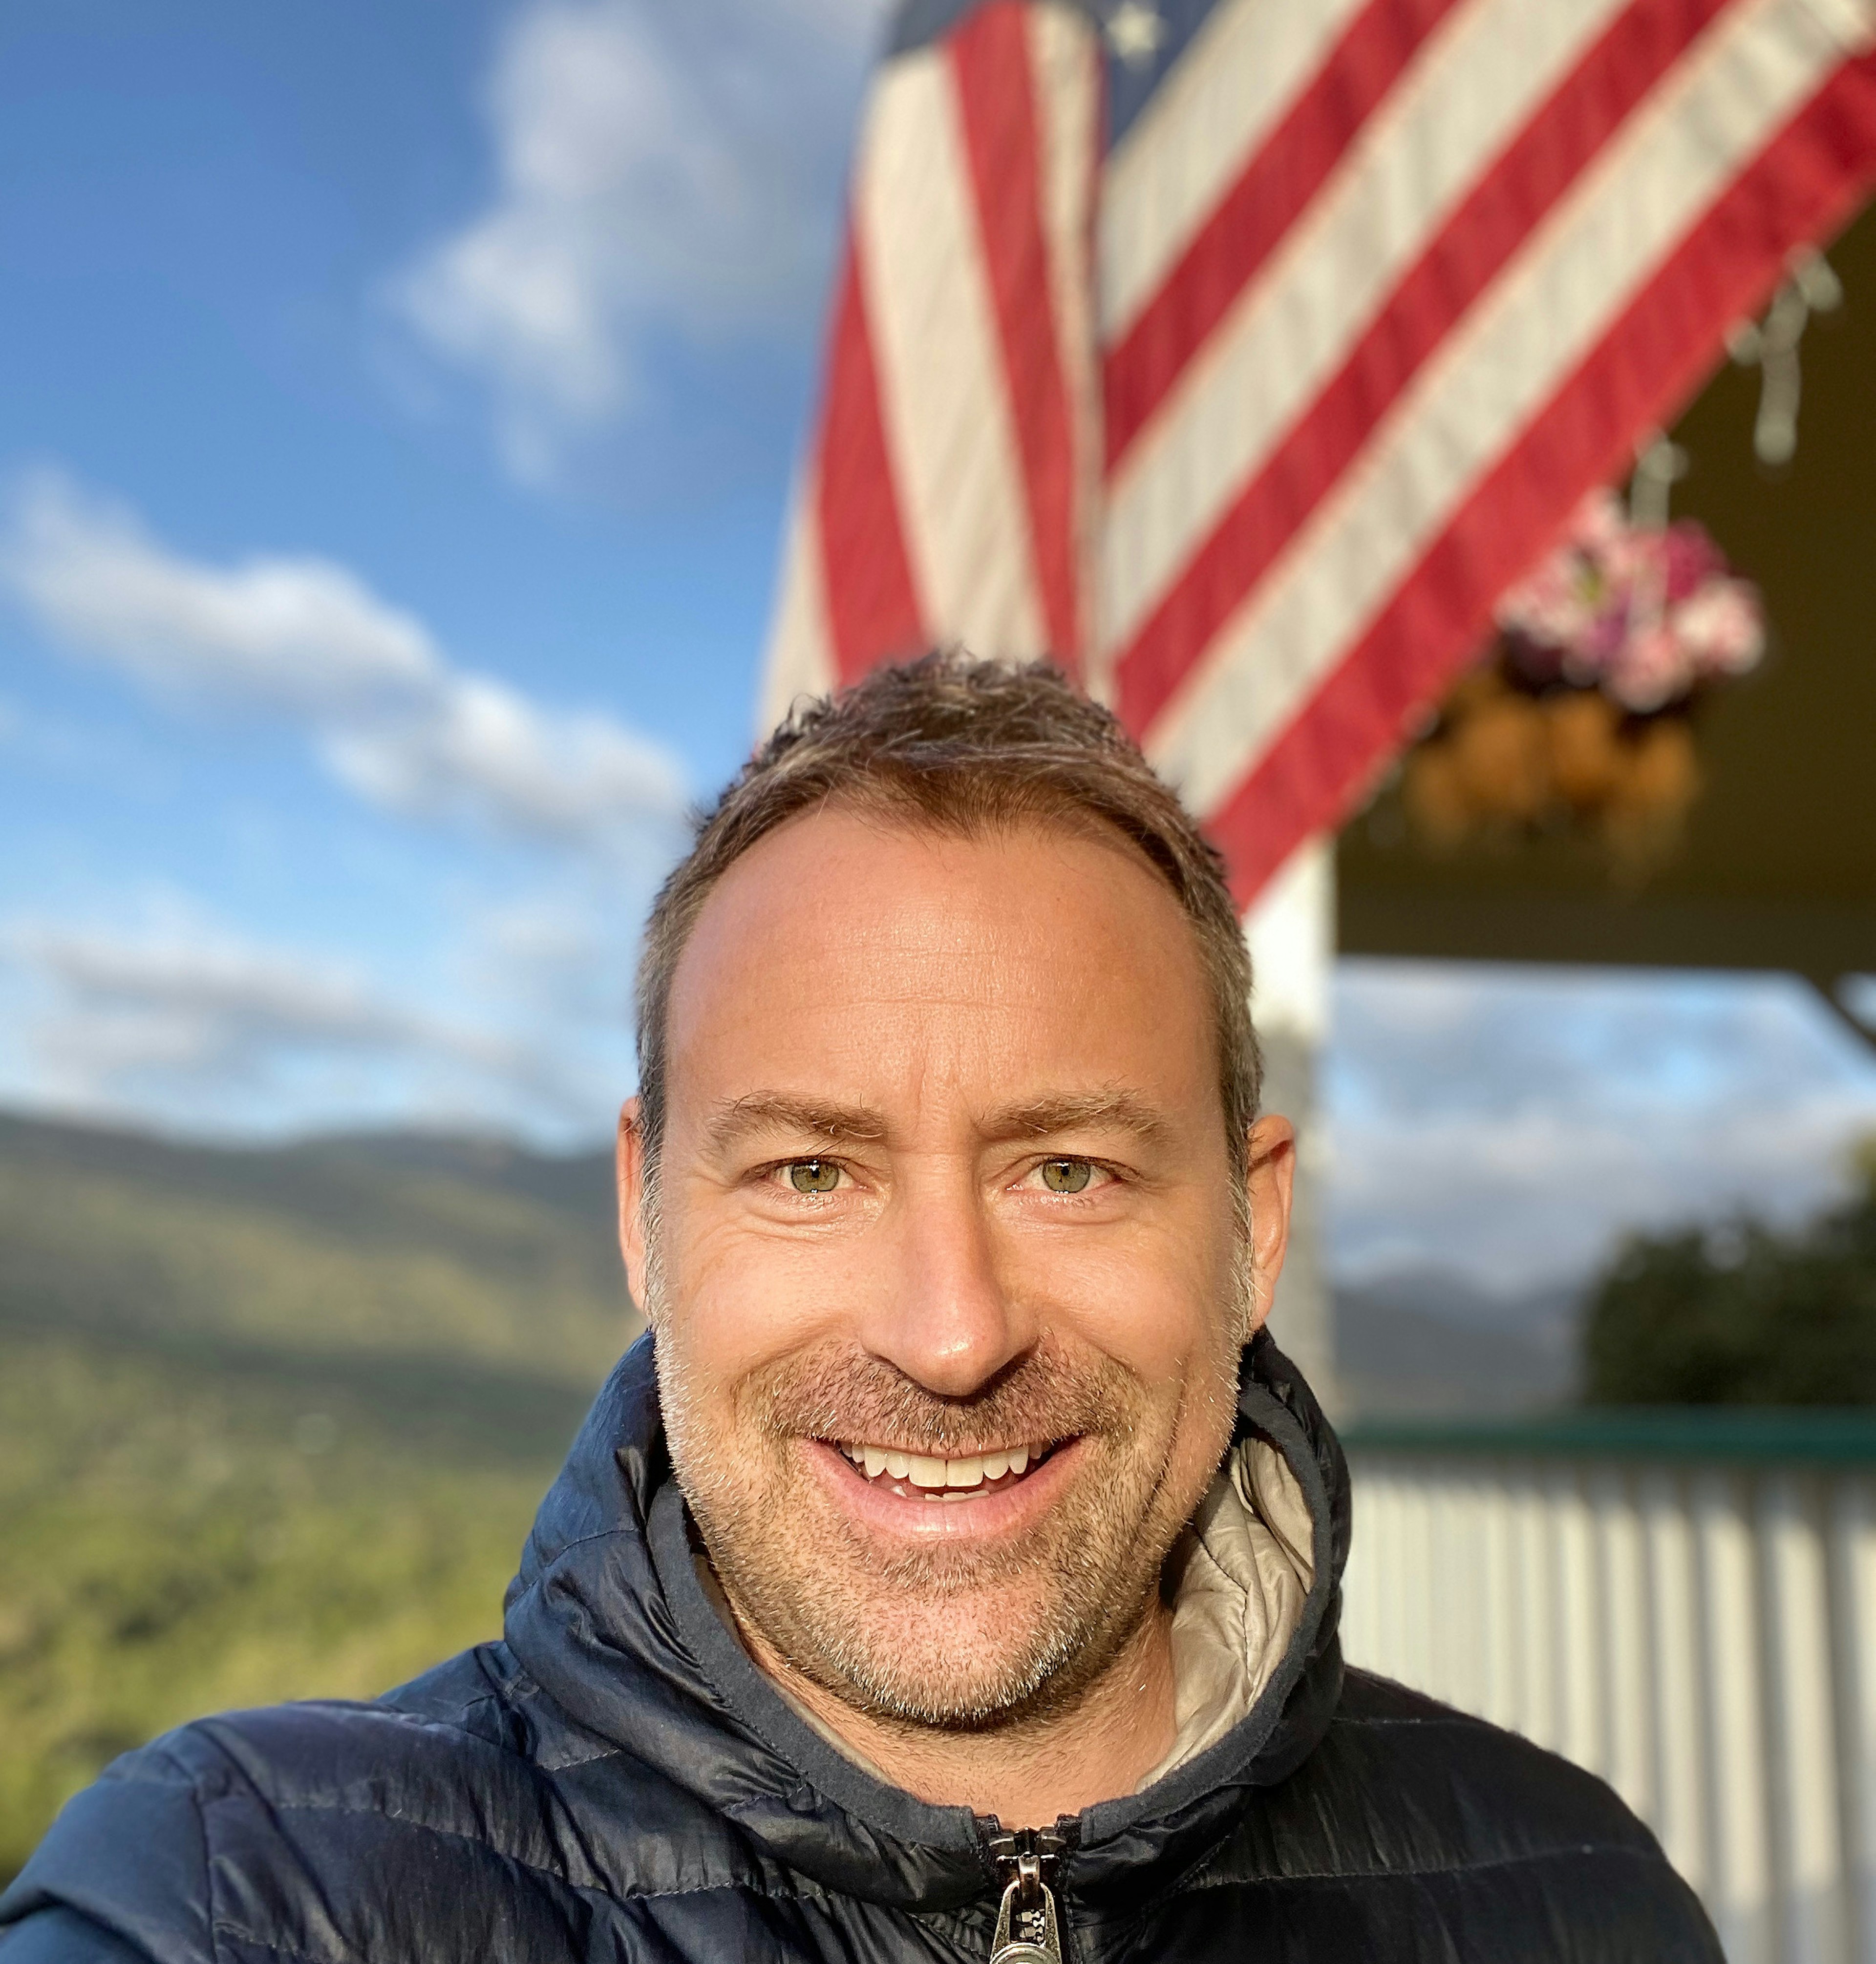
(925, 1470)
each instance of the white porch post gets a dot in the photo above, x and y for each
(1291, 930)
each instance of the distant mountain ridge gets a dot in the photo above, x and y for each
(475, 1268)
(340, 1164)
(1429, 1341)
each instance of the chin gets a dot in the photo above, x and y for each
(968, 1660)
(934, 1686)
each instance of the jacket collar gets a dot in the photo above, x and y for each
(607, 1615)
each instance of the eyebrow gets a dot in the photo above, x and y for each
(758, 1111)
(774, 1111)
(1044, 1118)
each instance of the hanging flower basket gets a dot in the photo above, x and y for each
(1581, 717)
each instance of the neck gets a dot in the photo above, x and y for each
(1031, 1772)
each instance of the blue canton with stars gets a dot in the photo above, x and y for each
(1144, 39)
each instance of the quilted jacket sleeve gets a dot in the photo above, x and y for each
(58, 1936)
(121, 1878)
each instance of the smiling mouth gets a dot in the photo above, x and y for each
(918, 1476)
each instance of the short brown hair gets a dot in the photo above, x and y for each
(950, 744)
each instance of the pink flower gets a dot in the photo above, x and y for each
(1722, 627)
(1633, 559)
(1692, 559)
(1599, 518)
(1645, 613)
(1652, 670)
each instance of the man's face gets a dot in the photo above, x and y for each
(948, 1277)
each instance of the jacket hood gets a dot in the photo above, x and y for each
(609, 1617)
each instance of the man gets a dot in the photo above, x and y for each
(952, 1573)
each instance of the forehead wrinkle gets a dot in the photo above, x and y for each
(736, 1118)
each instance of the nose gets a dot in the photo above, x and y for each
(942, 1314)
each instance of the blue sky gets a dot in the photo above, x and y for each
(397, 404)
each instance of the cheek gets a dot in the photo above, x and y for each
(737, 1299)
(1169, 1317)
(1161, 1304)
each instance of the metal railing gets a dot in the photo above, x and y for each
(1684, 1603)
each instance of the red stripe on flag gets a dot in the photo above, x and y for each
(1274, 188)
(996, 90)
(1565, 135)
(1806, 183)
(873, 611)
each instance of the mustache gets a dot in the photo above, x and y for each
(839, 1393)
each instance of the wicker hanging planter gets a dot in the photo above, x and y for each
(1581, 718)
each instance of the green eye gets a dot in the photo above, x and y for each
(813, 1176)
(1066, 1175)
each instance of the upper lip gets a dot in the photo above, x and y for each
(1034, 1447)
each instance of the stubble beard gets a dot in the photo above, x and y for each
(964, 1639)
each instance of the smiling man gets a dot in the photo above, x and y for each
(952, 1572)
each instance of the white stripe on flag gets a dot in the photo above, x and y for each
(1649, 187)
(943, 393)
(1853, 21)
(1065, 61)
(1473, 85)
(800, 659)
(1219, 101)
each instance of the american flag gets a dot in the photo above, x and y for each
(1239, 353)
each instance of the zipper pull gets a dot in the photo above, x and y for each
(1026, 1930)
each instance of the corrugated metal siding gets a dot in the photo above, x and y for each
(1699, 1631)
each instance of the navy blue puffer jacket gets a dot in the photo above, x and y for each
(616, 1780)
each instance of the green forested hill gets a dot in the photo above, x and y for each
(272, 1422)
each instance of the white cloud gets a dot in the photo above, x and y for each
(658, 168)
(294, 633)
(1511, 1124)
(509, 1010)
(303, 638)
(179, 1016)
(480, 746)
(192, 999)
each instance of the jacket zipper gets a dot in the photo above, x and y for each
(1027, 1862)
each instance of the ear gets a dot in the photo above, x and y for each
(1270, 1182)
(631, 1161)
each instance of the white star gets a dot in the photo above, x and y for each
(1134, 31)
